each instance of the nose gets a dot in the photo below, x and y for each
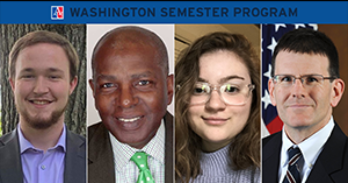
(298, 89)
(215, 102)
(40, 86)
(126, 98)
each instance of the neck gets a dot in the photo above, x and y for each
(214, 146)
(299, 134)
(42, 138)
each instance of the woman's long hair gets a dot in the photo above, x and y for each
(245, 149)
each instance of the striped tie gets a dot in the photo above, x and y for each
(293, 174)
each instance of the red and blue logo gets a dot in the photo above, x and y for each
(57, 12)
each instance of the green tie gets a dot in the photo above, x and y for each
(140, 159)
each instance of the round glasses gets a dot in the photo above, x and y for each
(231, 94)
(307, 80)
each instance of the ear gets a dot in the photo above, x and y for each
(73, 84)
(170, 89)
(338, 89)
(271, 91)
(91, 84)
(12, 83)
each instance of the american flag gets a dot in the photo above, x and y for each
(271, 33)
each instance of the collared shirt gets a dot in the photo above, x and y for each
(126, 171)
(40, 167)
(310, 149)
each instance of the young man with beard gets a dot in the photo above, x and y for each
(42, 74)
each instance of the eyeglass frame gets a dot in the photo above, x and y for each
(301, 78)
(250, 86)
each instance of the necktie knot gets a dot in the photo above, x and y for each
(294, 155)
(140, 159)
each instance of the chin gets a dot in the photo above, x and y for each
(300, 123)
(216, 138)
(43, 121)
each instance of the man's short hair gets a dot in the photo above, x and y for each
(161, 48)
(43, 36)
(310, 42)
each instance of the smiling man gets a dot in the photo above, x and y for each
(132, 89)
(43, 73)
(305, 86)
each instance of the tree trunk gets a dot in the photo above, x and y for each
(75, 114)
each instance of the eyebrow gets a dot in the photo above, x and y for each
(55, 70)
(223, 80)
(51, 69)
(134, 76)
(141, 75)
(313, 74)
(26, 70)
(106, 77)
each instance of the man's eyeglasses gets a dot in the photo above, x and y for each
(231, 94)
(306, 80)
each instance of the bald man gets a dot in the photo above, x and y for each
(132, 89)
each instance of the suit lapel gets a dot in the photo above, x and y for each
(10, 158)
(270, 158)
(75, 159)
(101, 163)
(329, 165)
(100, 157)
(169, 159)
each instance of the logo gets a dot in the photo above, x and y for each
(57, 12)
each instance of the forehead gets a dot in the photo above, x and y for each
(42, 56)
(127, 44)
(301, 63)
(120, 39)
(126, 60)
(221, 64)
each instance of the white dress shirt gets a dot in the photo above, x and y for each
(126, 171)
(310, 149)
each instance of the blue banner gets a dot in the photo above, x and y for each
(174, 12)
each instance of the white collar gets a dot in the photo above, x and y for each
(123, 152)
(309, 147)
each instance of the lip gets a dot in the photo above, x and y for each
(130, 123)
(39, 103)
(215, 121)
(298, 106)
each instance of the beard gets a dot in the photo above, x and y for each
(39, 122)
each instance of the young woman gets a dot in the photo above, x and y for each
(217, 111)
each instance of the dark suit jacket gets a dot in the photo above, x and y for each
(11, 165)
(331, 165)
(100, 157)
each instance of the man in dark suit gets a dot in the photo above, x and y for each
(305, 86)
(132, 89)
(43, 73)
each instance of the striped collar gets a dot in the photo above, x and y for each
(123, 152)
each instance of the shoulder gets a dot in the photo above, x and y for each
(75, 136)
(98, 136)
(75, 143)
(251, 174)
(274, 138)
(168, 118)
(95, 128)
(7, 138)
(337, 140)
